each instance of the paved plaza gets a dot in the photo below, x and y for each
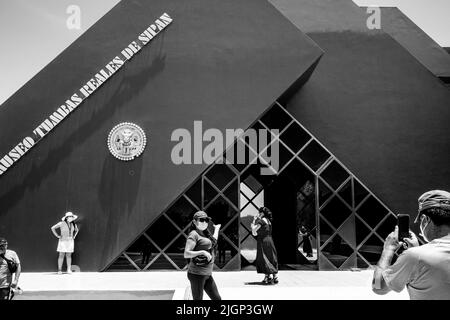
(241, 285)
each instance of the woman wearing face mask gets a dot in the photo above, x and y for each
(199, 249)
(266, 253)
(68, 232)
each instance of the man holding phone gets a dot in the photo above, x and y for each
(424, 270)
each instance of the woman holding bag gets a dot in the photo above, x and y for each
(199, 249)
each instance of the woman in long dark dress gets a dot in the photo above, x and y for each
(266, 254)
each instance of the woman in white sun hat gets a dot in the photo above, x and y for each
(68, 232)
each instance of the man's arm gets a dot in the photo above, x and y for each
(379, 286)
(391, 244)
(399, 274)
(16, 276)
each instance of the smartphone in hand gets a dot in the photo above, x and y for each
(403, 226)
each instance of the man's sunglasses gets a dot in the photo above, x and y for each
(203, 219)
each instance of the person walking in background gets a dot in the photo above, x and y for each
(266, 253)
(200, 250)
(66, 243)
(306, 238)
(9, 267)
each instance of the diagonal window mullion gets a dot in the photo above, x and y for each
(334, 193)
(220, 193)
(170, 261)
(230, 222)
(131, 261)
(152, 261)
(172, 222)
(329, 225)
(225, 237)
(191, 202)
(364, 259)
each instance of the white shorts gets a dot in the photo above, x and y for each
(65, 245)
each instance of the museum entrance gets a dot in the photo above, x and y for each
(324, 217)
(291, 198)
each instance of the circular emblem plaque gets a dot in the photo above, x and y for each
(126, 141)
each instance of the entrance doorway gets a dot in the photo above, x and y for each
(291, 198)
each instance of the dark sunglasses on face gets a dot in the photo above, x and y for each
(203, 219)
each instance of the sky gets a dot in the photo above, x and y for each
(34, 32)
(432, 16)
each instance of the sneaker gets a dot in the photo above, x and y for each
(275, 280)
(69, 271)
(59, 272)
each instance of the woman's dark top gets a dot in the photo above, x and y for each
(201, 243)
(266, 253)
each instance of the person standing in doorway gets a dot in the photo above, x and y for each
(66, 243)
(199, 249)
(266, 253)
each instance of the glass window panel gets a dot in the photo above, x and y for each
(243, 232)
(334, 174)
(300, 176)
(232, 193)
(162, 231)
(337, 251)
(221, 211)
(176, 252)
(142, 251)
(361, 231)
(324, 192)
(220, 175)
(240, 156)
(346, 192)
(295, 137)
(284, 156)
(248, 213)
(161, 264)
(248, 249)
(360, 263)
(372, 212)
(276, 118)
(336, 212)
(225, 252)
(232, 232)
(259, 138)
(253, 184)
(195, 193)
(209, 193)
(325, 232)
(360, 192)
(244, 200)
(255, 170)
(258, 201)
(247, 191)
(121, 264)
(371, 250)
(245, 265)
(181, 212)
(314, 155)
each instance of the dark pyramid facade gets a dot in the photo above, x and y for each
(379, 109)
(218, 61)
